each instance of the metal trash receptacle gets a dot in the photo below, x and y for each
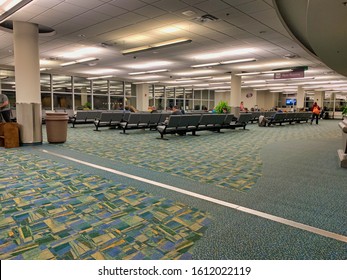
(56, 127)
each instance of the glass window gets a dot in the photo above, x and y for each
(8, 83)
(82, 89)
(81, 85)
(100, 102)
(211, 95)
(170, 97)
(130, 94)
(100, 87)
(159, 97)
(62, 101)
(204, 94)
(45, 81)
(151, 95)
(117, 102)
(197, 94)
(116, 88)
(188, 92)
(61, 83)
(46, 101)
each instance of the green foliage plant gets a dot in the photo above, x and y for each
(220, 106)
(344, 110)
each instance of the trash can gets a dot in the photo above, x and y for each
(56, 127)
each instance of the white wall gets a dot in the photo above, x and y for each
(221, 96)
(264, 99)
(249, 98)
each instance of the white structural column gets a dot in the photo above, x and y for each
(235, 94)
(142, 92)
(319, 97)
(27, 75)
(300, 98)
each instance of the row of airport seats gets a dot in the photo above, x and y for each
(187, 122)
(182, 124)
(282, 117)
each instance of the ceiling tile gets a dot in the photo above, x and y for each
(170, 5)
(128, 5)
(110, 10)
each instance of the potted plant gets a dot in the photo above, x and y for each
(344, 111)
(221, 106)
(87, 106)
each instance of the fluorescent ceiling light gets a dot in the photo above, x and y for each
(68, 63)
(149, 82)
(100, 77)
(239, 61)
(88, 59)
(157, 45)
(248, 74)
(196, 72)
(171, 42)
(202, 78)
(221, 78)
(224, 62)
(253, 82)
(206, 65)
(9, 7)
(224, 54)
(277, 71)
(148, 72)
(101, 71)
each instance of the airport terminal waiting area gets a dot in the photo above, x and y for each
(114, 190)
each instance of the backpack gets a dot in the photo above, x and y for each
(316, 110)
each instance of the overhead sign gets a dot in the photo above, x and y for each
(298, 73)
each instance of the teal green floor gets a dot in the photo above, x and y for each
(53, 208)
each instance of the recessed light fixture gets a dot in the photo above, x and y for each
(100, 77)
(224, 62)
(173, 42)
(148, 72)
(248, 74)
(83, 60)
(8, 8)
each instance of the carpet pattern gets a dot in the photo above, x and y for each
(52, 211)
(229, 160)
(201, 159)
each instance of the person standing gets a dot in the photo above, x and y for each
(242, 107)
(176, 110)
(315, 112)
(5, 108)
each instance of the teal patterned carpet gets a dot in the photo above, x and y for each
(51, 211)
(54, 210)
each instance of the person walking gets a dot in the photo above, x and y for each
(315, 112)
(5, 107)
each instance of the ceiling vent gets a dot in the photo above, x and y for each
(189, 13)
(290, 56)
(206, 18)
(107, 44)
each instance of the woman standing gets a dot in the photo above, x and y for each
(315, 112)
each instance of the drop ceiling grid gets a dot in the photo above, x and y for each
(170, 5)
(88, 4)
(211, 6)
(128, 4)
